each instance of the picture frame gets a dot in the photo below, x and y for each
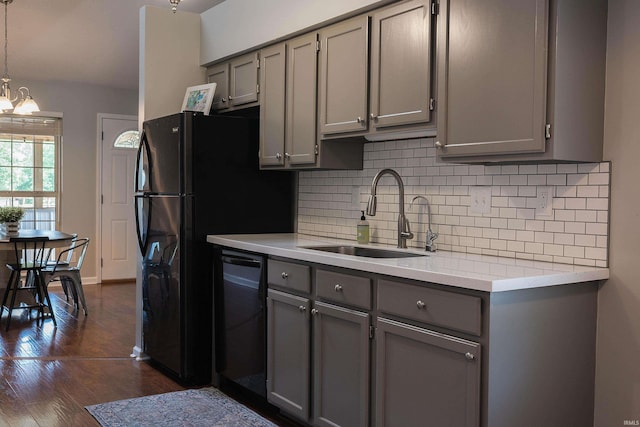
(199, 98)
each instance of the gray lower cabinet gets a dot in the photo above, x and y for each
(425, 378)
(340, 366)
(288, 361)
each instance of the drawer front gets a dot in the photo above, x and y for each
(344, 288)
(447, 309)
(289, 275)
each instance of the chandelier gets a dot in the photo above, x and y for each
(26, 104)
(174, 4)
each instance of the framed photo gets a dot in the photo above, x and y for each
(199, 98)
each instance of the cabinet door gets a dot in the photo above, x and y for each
(288, 342)
(272, 104)
(243, 87)
(343, 79)
(401, 65)
(219, 74)
(492, 77)
(340, 366)
(425, 378)
(302, 66)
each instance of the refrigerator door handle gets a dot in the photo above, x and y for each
(142, 161)
(142, 241)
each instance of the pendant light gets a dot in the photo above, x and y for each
(26, 104)
(174, 4)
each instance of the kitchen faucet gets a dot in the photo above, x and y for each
(404, 230)
(431, 236)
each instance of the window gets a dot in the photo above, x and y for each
(29, 168)
(127, 139)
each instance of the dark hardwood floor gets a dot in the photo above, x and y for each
(48, 375)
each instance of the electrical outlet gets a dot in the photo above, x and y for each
(544, 202)
(480, 200)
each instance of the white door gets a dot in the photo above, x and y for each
(119, 138)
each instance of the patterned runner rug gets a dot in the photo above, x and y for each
(204, 407)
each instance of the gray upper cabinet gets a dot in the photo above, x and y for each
(236, 83)
(243, 80)
(343, 80)
(425, 378)
(521, 80)
(302, 72)
(272, 104)
(401, 52)
(289, 111)
(219, 74)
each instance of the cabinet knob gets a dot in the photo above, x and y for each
(284, 275)
(314, 311)
(421, 305)
(373, 117)
(338, 288)
(360, 120)
(469, 356)
(224, 99)
(302, 308)
(230, 98)
(439, 145)
(287, 155)
(278, 156)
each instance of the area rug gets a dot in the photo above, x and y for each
(203, 407)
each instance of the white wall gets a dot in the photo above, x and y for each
(169, 60)
(80, 105)
(618, 364)
(237, 25)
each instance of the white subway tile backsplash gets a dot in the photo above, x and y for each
(329, 204)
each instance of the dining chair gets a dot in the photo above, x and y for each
(28, 291)
(67, 271)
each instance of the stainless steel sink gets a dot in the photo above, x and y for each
(365, 252)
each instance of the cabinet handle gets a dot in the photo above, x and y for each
(302, 308)
(338, 288)
(469, 356)
(314, 311)
(439, 145)
(284, 275)
(421, 305)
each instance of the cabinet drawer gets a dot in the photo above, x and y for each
(447, 309)
(344, 288)
(289, 275)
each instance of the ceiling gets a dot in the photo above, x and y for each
(88, 41)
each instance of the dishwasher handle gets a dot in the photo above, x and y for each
(244, 262)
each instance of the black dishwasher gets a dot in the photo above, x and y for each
(240, 319)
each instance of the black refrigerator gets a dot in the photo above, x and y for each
(196, 175)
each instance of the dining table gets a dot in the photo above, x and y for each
(57, 239)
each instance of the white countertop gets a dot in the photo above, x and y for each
(479, 272)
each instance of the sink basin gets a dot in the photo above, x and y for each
(365, 252)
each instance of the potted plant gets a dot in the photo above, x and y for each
(10, 216)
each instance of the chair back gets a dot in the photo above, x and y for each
(65, 256)
(29, 252)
